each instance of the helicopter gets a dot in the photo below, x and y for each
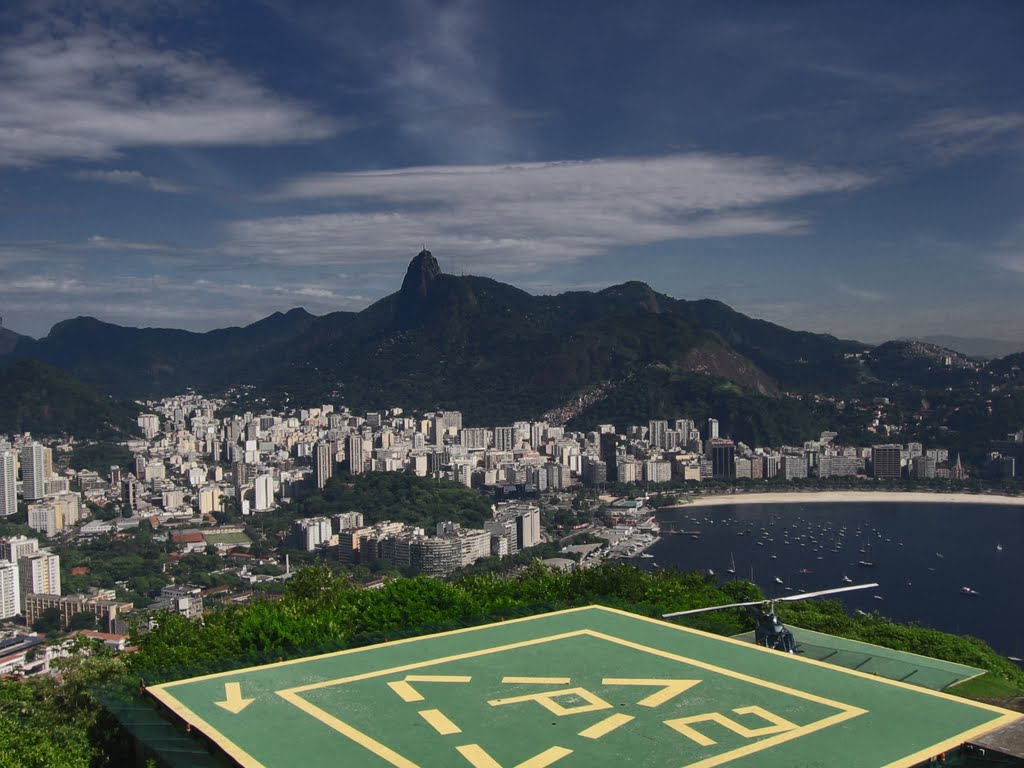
(769, 631)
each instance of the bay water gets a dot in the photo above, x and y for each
(924, 557)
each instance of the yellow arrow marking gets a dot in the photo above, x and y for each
(410, 694)
(669, 688)
(233, 701)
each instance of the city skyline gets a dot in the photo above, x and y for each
(854, 170)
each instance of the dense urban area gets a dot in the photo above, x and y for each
(204, 510)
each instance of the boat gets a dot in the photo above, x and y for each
(711, 571)
(865, 564)
(846, 579)
(939, 555)
(777, 580)
(805, 571)
(646, 555)
(969, 591)
(999, 547)
(878, 597)
(732, 564)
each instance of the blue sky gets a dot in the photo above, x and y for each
(846, 167)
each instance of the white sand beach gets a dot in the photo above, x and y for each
(829, 497)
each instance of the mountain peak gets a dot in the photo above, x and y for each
(422, 272)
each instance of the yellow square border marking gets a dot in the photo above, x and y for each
(161, 693)
(292, 696)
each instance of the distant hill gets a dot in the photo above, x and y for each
(154, 362)
(9, 340)
(978, 348)
(37, 398)
(494, 352)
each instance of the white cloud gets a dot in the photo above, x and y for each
(130, 178)
(507, 217)
(440, 79)
(868, 295)
(90, 92)
(953, 133)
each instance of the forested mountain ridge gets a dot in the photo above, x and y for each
(38, 398)
(492, 351)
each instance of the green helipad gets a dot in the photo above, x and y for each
(585, 687)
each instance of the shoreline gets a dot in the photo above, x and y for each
(838, 497)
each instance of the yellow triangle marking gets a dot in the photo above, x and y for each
(410, 694)
(478, 757)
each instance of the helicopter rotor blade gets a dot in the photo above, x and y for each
(712, 608)
(788, 598)
(823, 592)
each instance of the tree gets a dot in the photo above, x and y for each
(82, 620)
(49, 621)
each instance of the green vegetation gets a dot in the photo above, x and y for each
(987, 687)
(37, 398)
(321, 612)
(398, 496)
(54, 722)
(57, 722)
(100, 457)
(136, 562)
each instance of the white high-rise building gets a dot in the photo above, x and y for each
(209, 500)
(8, 483)
(39, 574)
(45, 518)
(13, 548)
(656, 433)
(10, 594)
(149, 423)
(504, 438)
(264, 489)
(712, 429)
(354, 454)
(34, 471)
(324, 464)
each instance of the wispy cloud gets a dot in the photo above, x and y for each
(876, 80)
(89, 93)
(130, 178)
(868, 295)
(502, 218)
(953, 133)
(432, 68)
(443, 84)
